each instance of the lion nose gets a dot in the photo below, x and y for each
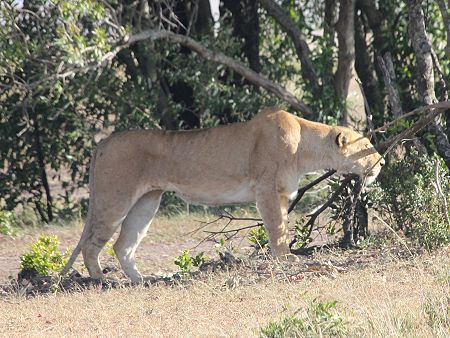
(382, 162)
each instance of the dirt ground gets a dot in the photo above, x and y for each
(383, 289)
(165, 240)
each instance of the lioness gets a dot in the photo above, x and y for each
(260, 160)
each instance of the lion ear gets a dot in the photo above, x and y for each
(341, 140)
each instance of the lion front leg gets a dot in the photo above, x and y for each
(273, 209)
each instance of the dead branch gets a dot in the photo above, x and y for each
(354, 196)
(436, 109)
(234, 230)
(302, 190)
(440, 105)
(313, 216)
(226, 215)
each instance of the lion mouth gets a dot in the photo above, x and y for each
(371, 176)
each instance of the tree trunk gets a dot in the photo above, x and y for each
(364, 65)
(446, 17)
(425, 74)
(42, 170)
(246, 27)
(330, 17)
(345, 28)
(390, 82)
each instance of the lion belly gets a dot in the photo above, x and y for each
(239, 194)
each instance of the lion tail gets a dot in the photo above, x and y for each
(87, 231)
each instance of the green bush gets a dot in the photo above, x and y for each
(186, 262)
(302, 234)
(259, 237)
(318, 320)
(414, 194)
(44, 257)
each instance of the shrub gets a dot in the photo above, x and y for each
(318, 320)
(44, 257)
(414, 193)
(186, 262)
(259, 237)
(302, 234)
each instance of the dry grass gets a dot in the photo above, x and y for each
(389, 301)
(393, 299)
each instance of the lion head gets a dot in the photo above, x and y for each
(358, 155)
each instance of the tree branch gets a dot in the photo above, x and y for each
(436, 109)
(219, 58)
(442, 106)
(301, 47)
(313, 216)
(302, 190)
(212, 56)
(231, 218)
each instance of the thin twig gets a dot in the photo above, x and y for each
(436, 109)
(313, 216)
(235, 230)
(439, 105)
(301, 191)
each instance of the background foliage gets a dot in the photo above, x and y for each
(64, 84)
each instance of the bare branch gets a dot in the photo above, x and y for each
(302, 190)
(231, 218)
(436, 109)
(234, 230)
(313, 216)
(441, 105)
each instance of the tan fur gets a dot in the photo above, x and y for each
(260, 160)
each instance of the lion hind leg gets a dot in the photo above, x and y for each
(271, 205)
(101, 232)
(134, 229)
